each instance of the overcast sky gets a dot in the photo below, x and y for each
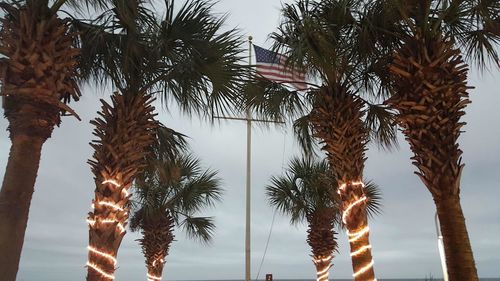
(403, 237)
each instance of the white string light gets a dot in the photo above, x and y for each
(349, 208)
(363, 269)
(361, 250)
(110, 204)
(323, 271)
(324, 276)
(355, 236)
(119, 224)
(323, 259)
(344, 185)
(100, 271)
(111, 181)
(115, 183)
(153, 278)
(161, 260)
(103, 254)
(125, 192)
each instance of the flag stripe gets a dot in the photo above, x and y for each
(275, 73)
(300, 85)
(280, 68)
(272, 66)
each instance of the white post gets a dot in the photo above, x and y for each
(442, 255)
(248, 190)
(248, 118)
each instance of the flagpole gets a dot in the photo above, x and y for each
(248, 178)
(248, 118)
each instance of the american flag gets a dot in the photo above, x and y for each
(271, 65)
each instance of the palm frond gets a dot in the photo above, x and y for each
(199, 192)
(303, 131)
(374, 203)
(274, 101)
(381, 122)
(472, 25)
(180, 188)
(199, 228)
(307, 186)
(169, 143)
(80, 5)
(116, 47)
(205, 73)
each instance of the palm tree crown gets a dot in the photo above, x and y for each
(310, 185)
(420, 46)
(38, 74)
(306, 187)
(185, 56)
(170, 196)
(308, 193)
(322, 38)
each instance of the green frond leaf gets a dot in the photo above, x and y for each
(199, 228)
(381, 122)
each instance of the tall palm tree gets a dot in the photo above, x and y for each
(39, 78)
(317, 37)
(186, 59)
(425, 42)
(307, 192)
(164, 203)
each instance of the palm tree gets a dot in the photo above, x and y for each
(307, 192)
(39, 78)
(186, 59)
(167, 202)
(316, 36)
(424, 42)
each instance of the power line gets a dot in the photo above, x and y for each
(275, 211)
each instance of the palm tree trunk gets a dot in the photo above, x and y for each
(459, 258)
(154, 246)
(38, 76)
(15, 198)
(155, 271)
(355, 220)
(337, 119)
(323, 265)
(431, 93)
(157, 236)
(124, 130)
(321, 239)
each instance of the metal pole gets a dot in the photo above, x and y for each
(248, 191)
(442, 255)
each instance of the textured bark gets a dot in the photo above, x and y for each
(15, 198)
(323, 265)
(321, 239)
(155, 244)
(431, 93)
(124, 130)
(337, 119)
(39, 69)
(356, 221)
(460, 260)
(38, 76)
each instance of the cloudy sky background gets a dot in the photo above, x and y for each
(403, 237)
